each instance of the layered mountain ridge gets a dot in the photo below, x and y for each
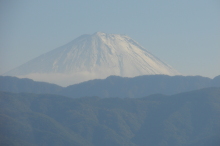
(185, 119)
(95, 56)
(113, 86)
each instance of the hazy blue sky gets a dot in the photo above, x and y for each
(182, 33)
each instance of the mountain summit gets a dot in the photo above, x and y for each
(93, 56)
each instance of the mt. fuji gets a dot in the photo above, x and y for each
(95, 56)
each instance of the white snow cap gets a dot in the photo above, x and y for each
(95, 56)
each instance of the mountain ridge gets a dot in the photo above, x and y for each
(140, 86)
(17, 85)
(113, 86)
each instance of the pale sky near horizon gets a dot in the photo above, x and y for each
(185, 33)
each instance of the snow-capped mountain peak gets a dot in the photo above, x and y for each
(91, 57)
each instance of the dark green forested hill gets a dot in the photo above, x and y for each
(185, 119)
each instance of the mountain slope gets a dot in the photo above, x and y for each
(93, 57)
(13, 84)
(187, 119)
(140, 86)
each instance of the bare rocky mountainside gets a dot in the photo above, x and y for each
(95, 56)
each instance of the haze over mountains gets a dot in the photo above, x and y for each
(118, 94)
(95, 56)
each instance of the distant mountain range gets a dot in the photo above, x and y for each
(113, 86)
(95, 56)
(185, 119)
